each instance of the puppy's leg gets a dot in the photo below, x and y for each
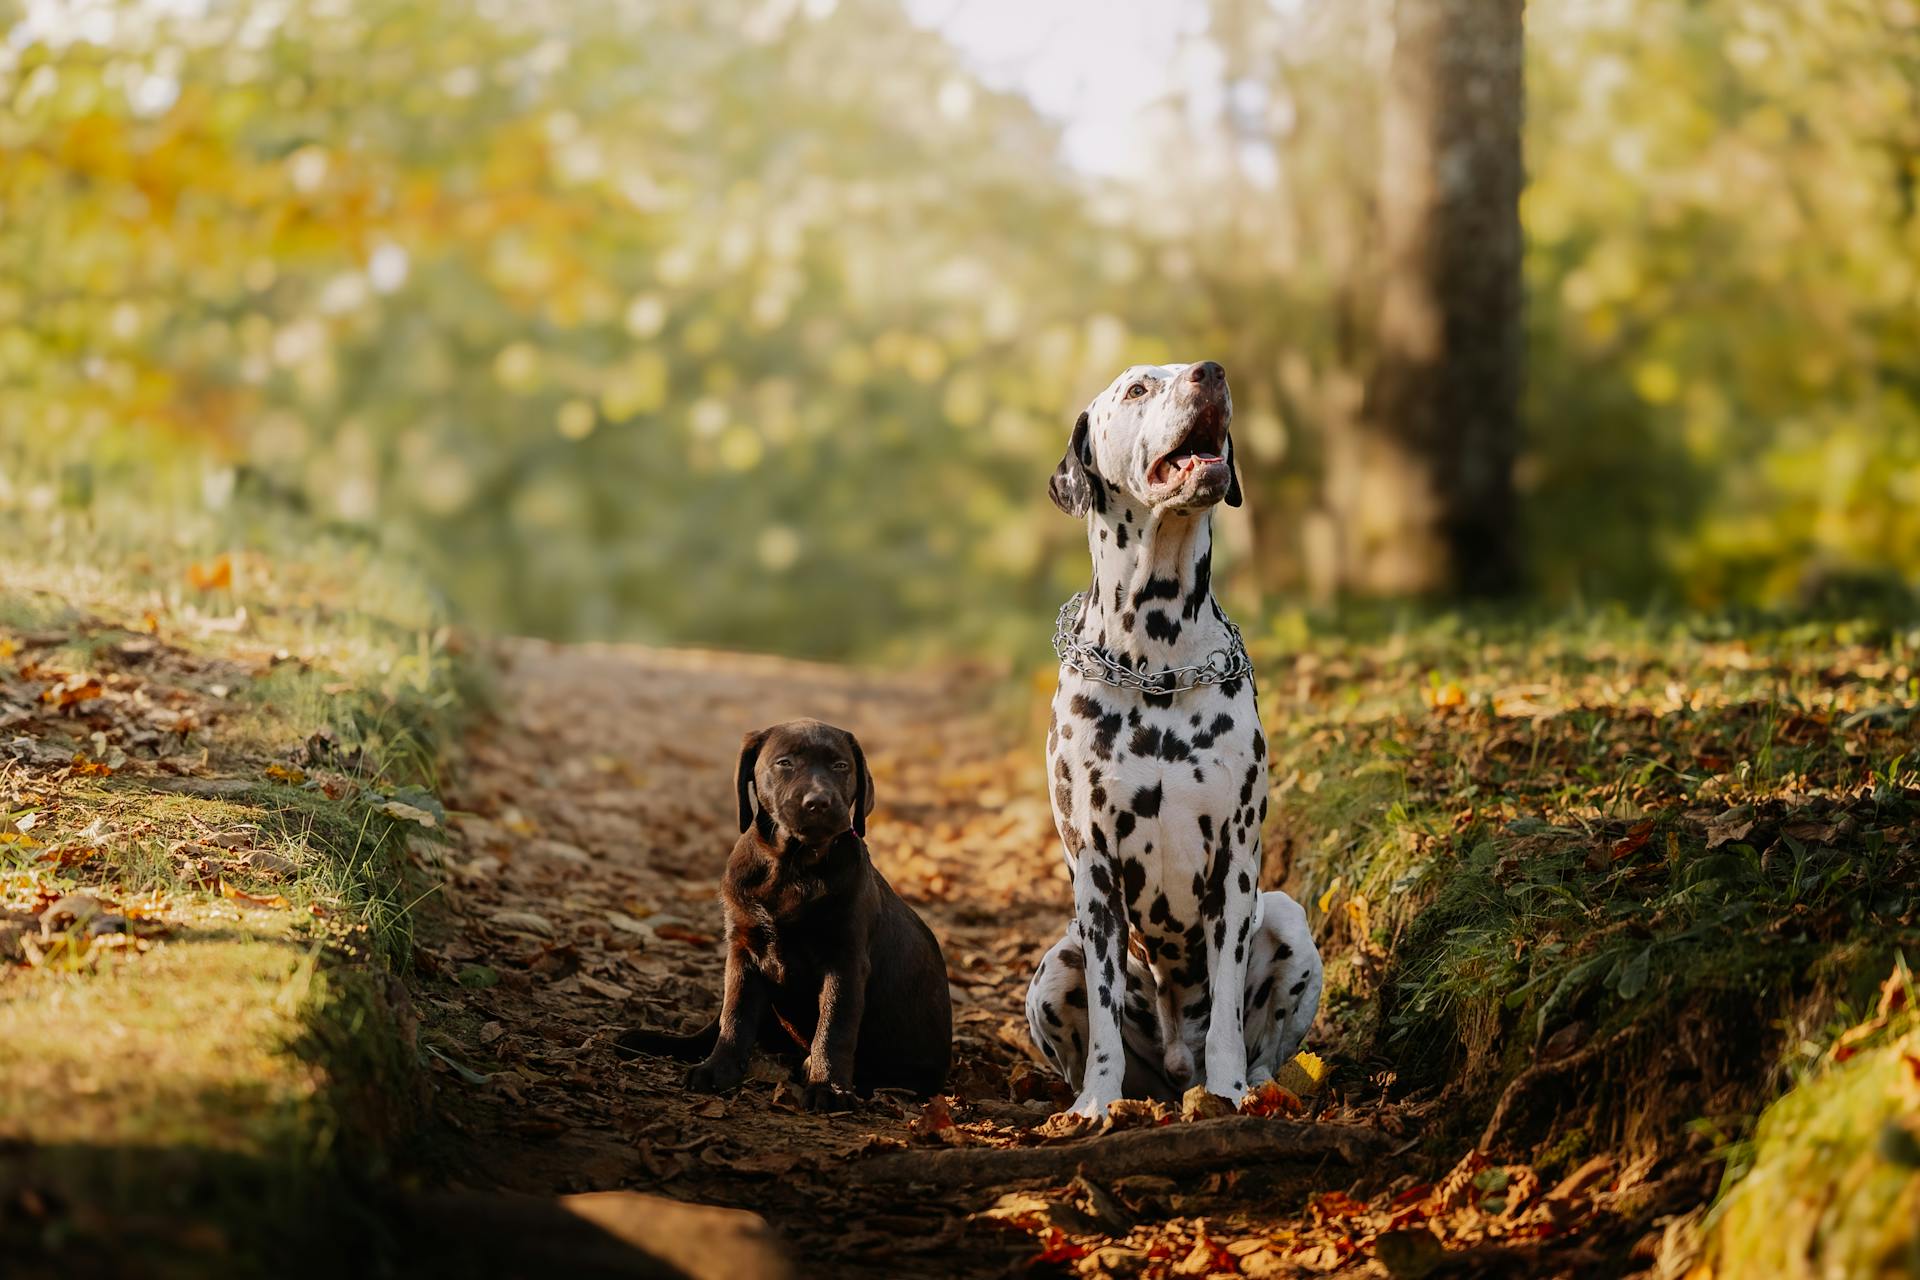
(829, 1065)
(1100, 911)
(1283, 986)
(1229, 933)
(743, 1006)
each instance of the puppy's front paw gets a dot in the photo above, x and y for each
(824, 1096)
(715, 1076)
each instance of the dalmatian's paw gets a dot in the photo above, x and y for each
(1226, 1068)
(1094, 1101)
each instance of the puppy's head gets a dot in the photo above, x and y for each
(1159, 434)
(809, 778)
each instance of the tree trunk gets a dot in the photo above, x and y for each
(1423, 486)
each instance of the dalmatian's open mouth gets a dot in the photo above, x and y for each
(1197, 453)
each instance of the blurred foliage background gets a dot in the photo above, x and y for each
(761, 324)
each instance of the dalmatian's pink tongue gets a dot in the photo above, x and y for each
(1163, 470)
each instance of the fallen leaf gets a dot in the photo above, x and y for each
(1271, 1099)
(675, 933)
(273, 901)
(1304, 1075)
(1635, 840)
(1200, 1104)
(460, 1069)
(933, 1123)
(74, 690)
(1332, 1206)
(1734, 824)
(522, 922)
(269, 863)
(611, 990)
(1333, 891)
(627, 924)
(477, 977)
(400, 811)
(211, 575)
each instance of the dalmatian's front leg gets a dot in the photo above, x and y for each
(1230, 936)
(1100, 913)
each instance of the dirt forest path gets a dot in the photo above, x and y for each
(593, 818)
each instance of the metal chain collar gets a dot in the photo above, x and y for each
(1094, 662)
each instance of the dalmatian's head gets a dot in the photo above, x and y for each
(1158, 433)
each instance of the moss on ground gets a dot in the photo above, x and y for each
(1831, 1186)
(1675, 854)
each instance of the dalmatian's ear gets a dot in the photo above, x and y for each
(1233, 475)
(1076, 487)
(743, 779)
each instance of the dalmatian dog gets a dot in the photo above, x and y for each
(1175, 970)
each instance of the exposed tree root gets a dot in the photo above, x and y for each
(1524, 1083)
(1172, 1149)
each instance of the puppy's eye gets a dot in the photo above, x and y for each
(1137, 390)
(842, 766)
(784, 762)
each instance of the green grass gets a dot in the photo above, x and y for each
(208, 1096)
(1682, 838)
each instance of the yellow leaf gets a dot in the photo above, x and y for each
(292, 777)
(1333, 890)
(1304, 1075)
(211, 575)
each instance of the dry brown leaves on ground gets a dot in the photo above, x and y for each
(592, 822)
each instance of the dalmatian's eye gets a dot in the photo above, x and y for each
(842, 766)
(1137, 390)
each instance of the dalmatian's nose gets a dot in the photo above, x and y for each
(1207, 373)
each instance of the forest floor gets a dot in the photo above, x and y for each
(594, 815)
(303, 967)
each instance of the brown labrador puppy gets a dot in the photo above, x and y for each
(822, 957)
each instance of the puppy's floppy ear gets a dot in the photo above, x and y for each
(862, 787)
(1233, 475)
(743, 779)
(1076, 487)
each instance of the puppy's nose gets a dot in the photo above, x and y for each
(1207, 373)
(815, 803)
